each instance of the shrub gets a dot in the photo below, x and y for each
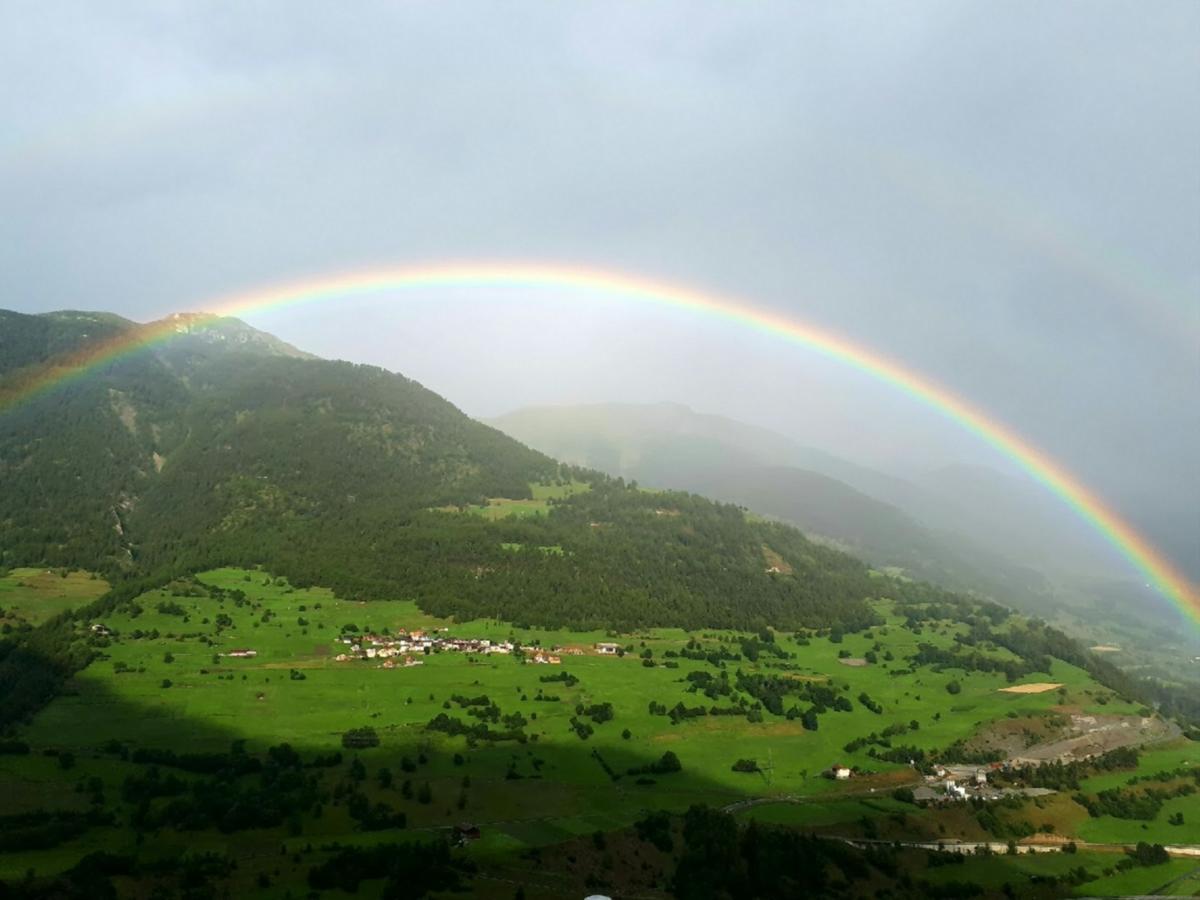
(360, 738)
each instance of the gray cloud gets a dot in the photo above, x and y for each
(1005, 197)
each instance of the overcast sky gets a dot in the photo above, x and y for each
(1004, 197)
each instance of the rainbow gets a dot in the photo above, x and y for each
(1158, 570)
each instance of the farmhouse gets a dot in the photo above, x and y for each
(608, 649)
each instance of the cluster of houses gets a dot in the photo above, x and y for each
(954, 784)
(950, 784)
(403, 648)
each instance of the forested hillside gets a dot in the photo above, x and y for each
(223, 445)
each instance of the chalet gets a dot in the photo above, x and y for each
(608, 649)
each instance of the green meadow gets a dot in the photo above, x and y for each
(31, 596)
(537, 505)
(163, 679)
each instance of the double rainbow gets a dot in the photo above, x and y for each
(1158, 570)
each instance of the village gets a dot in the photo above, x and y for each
(405, 649)
(952, 784)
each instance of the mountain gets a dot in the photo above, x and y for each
(967, 528)
(219, 444)
(27, 340)
(669, 445)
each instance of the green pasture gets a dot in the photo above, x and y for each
(256, 699)
(993, 870)
(1143, 880)
(1181, 754)
(163, 681)
(539, 505)
(34, 595)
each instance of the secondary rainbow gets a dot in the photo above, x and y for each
(1160, 572)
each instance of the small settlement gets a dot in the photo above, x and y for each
(404, 648)
(951, 784)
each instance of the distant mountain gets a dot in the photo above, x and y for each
(1023, 517)
(658, 440)
(943, 527)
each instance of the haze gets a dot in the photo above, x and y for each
(1003, 197)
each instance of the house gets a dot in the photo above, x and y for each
(608, 649)
(101, 630)
(554, 660)
(840, 772)
(981, 777)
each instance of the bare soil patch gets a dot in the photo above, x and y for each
(1038, 687)
(775, 562)
(1087, 736)
(858, 662)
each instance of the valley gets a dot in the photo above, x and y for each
(237, 665)
(279, 626)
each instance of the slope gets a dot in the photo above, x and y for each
(669, 445)
(220, 445)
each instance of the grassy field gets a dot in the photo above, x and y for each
(995, 870)
(164, 681)
(538, 505)
(34, 595)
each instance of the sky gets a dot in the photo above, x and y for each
(1002, 197)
